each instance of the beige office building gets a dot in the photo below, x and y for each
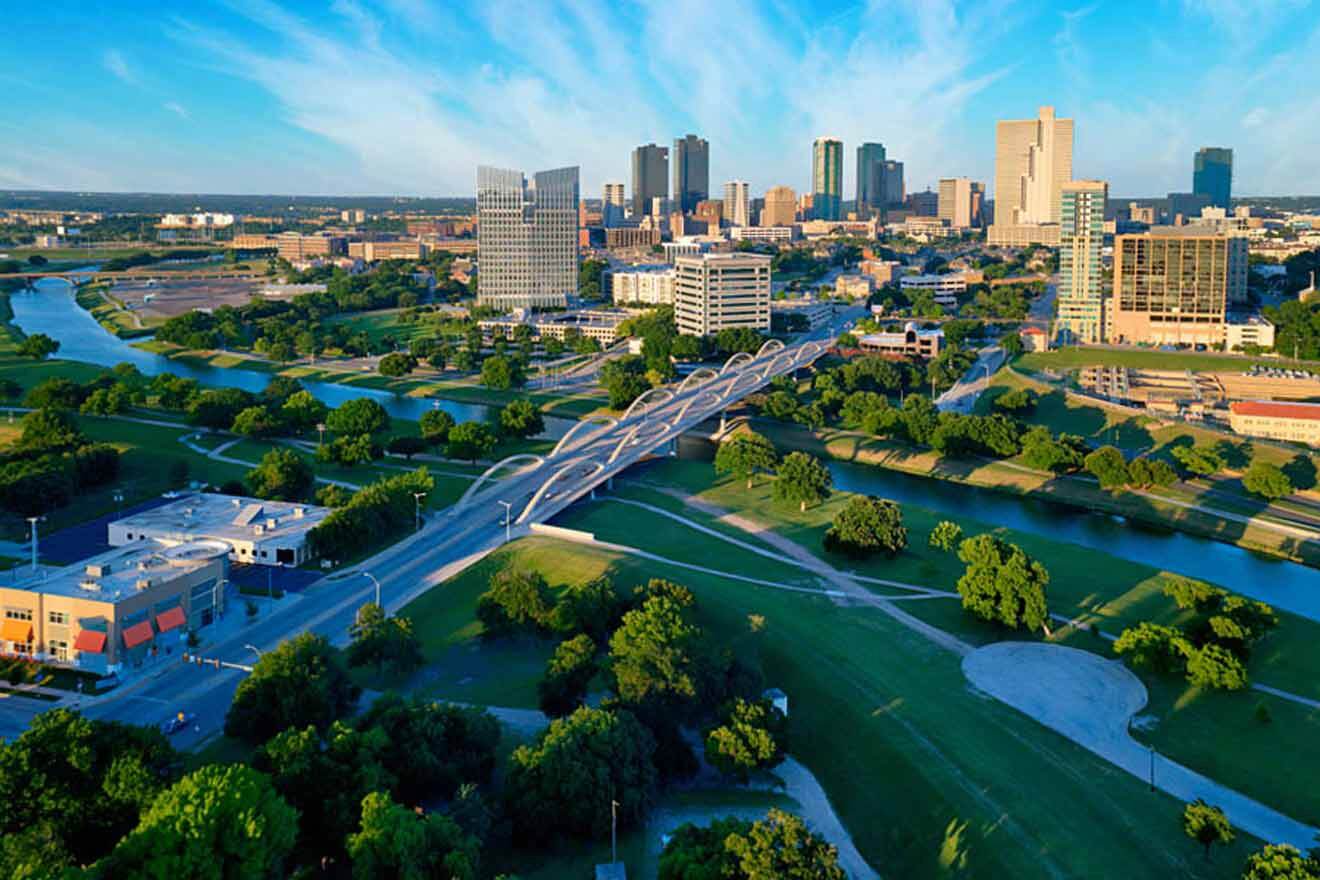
(117, 608)
(780, 207)
(1293, 422)
(960, 200)
(1033, 160)
(1170, 287)
(716, 291)
(737, 203)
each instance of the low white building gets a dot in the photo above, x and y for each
(651, 288)
(816, 311)
(257, 531)
(1241, 331)
(854, 286)
(945, 287)
(775, 234)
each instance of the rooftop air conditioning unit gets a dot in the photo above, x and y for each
(271, 523)
(143, 583)
(96, 569)
(90, 586)
(258, 529)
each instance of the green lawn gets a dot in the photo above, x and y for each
(111, 314)
(1073, 358)
(931, 780)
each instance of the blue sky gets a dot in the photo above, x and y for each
(408, 96)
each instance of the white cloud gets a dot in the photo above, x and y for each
(176, 108)
(115, 62)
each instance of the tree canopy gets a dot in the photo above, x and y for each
(1002, 584)
(801, 478)
(867, 525)
(745, 455)
(302, 681)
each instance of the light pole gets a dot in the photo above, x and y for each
(369, 576)
(254, 649)
(614, 832)
(508, 514)
(417, 499)
(320, 431)
(32, 521)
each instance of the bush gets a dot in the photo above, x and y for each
(865, 526)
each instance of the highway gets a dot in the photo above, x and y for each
(502, 505)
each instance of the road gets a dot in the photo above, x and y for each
(962, 396)
(537, 489)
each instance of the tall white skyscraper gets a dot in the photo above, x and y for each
(1033, 160)
(527, 237)
(613, 205)
(737, 203)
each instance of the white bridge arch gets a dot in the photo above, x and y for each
(644, 398)
(608, 421)
(594, 465)
(487, 476)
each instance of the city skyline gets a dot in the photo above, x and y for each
(251, 96)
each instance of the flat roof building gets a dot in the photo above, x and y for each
(827, 178)
(780, 207)
(1170, 287)
(911, 341)
(257, 531)
(116, 608)
(1294, 422)
(713, 292)
(527, 237)
(650, 288)
(1033, 160)
(1081, 277)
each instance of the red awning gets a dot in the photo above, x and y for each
(171, 619)
(90, 641)
(138, 633)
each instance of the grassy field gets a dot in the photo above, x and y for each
(931, 780)
(1073, 358)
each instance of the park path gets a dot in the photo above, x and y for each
(1091, 701)
(1055, 685)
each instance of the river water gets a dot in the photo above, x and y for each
(51, 309)
(1286, 585)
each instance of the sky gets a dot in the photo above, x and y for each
(408, 97)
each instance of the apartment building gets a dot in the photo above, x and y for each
(1081, 276)
(1170, 287)
(650, 287)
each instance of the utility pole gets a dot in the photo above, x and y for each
(417, 498)
(614, 832)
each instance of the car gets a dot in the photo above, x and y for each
(177, 722)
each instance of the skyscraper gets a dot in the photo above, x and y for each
(870, 179)
(650, 177)
(1033, 160)
(612, 205)
(827, 178)
(780, 207)
(960, 200)
(894, 193)
(1171, 286)
(1081, 234)
(527, 240)
(691, 172)
(1212, 175)
(737, 203)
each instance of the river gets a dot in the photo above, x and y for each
(1286, 585)
(52, 309)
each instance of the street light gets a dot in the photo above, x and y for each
(320, 430)
(370, 577)
(254, 649)
(417, 499)
(508, 513)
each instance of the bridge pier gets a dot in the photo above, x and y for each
(609, 482)
(724, 420)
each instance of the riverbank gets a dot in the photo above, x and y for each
(466, 389)
(112, 314)
(1183, 514)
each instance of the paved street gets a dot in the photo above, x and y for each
(962, 396)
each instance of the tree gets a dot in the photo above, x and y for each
(865, 526)
(1189, 594)
(1002, 584)
(1267, 480)
(303, 681)
(1016, 401)
(49, 430)
(38, 346)
(95, 778)
(470, 441)
(750, 738)
(745, 455)
(945, 536)
(1040, 450)
(624, 379)
(517, 600)
(1200, 460)
(567, 779)
(105, 402)
(407, 446)
(501, 373)
(1107, 465)
(283, 475)
(801, 478)
(780, 846)
(1206, 824)
(348, 450)
(362, 415)
(653, 653)
(397, 364)
(1281, 861)
(1144, 472)
(385, 642)
(567, 675)
(1154, 646)
(591, 607)
(218, 407)
(401, 843)
(920, 418)
(521, 418)
(221, 822)
(303, 412)
(435, 425)
(1212, 666)
(432, 749)
(324, 779)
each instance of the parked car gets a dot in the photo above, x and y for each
(178, 722)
